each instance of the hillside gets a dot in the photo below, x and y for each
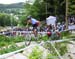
(15, 5)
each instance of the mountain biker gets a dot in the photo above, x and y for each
(35, 23)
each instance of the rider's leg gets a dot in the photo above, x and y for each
(35, 32)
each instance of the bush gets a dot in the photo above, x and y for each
(61, 47)
(5, 20)
(65, 34)
(12, 48)
(36, 53)
(50, 56)
(9, 40)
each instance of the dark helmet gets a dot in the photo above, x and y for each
(29, 17)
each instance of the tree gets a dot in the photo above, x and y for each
(5, 20)
(22, 21)
(41, 9)
(56, 6)
(71, 7)
(37, 9)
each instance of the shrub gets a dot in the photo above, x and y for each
(36, 53)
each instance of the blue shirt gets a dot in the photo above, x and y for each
(33, 21)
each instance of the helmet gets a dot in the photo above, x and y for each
(29, 17)
(49, 33)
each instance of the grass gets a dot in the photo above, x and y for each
(61, 47)
(36, 53)
(4, 40)
(10, 49)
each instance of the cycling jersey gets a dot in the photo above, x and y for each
(33, 21)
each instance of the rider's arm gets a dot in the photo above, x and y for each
(29, 21)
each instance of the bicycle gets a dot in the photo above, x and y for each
(30, 36)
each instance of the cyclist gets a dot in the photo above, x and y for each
(35, 23)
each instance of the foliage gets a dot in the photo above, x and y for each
(54, 7)
(45, 38)
(71, 7)
(71, 36)
(5, 41)
(12, 48)
(50, 56)
(65, 34)
(23, 21)
(36, 53)
(61, 47)
(37, 9)
(18, 39)
(5, 20)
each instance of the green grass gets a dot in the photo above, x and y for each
(36, 53)
(65, 34)
(50, 56)
(61, 47)
(4, 40)
(12, 48)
